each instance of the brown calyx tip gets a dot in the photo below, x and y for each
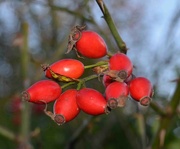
(44, 66)
(80, 27)
(122, 74)
(25, 96)
(74, 36)
(112, 103)
(107, 109)
(145, 101)
(59, 119)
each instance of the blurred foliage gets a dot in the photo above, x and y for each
(153, 49)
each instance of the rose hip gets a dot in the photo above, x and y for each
(116, 94)
(121, 63)
(71, 68)
(43, 91)
(91, 101)
(141, 90)
(65, 107)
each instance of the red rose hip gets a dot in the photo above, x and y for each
(43, 91)
(91, 102)
(121, 63)
(71, 68)
(141, 90)
(65, 107)
(91, 45)
(116, 94)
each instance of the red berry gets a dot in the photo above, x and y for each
(141, 90)
(91, 45)
(91, 101)
(116, 94)
(43, 91)
(107, 80)
(71, 68)
(121, 63)
(65, 107)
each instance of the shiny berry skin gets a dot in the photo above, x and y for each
(43, 91)
(91, 45)
(107, 80)
(141, 90)
(121, 63)
(65, 107)
(116, 94)
(71, 68)
(91, 101)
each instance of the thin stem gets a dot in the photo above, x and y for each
(90, 77)
(68, 84)
(83, 80)
(166, 121)
(141, 129)
(157, 108)
(25, 125)
(120, 43)
(97, 64)
(7, 133)
(175, 99)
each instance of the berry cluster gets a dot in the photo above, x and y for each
(116, 73)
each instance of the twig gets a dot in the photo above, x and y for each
(141, 129)
(25, 125)
(166, 121)
(71, 12)
(120, 43)
(7, 133)
(157, 108)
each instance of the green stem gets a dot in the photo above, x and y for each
(80, 85)
(141, 129)
(7, 133)
(157, 108)
(166, 121)
(175, 99)
(83, 80)
(120, 43)
(109, 54)
(68, 84)
(90, 77)
(25, 125)
(97, 64)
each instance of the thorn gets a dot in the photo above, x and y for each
(101, 3)
(175, 80)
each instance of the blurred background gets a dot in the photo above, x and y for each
(33, 32)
